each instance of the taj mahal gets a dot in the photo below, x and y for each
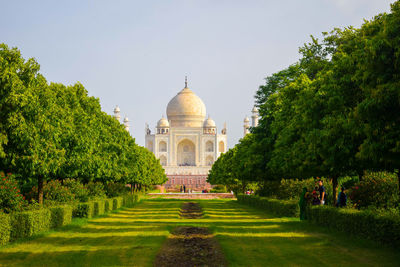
(187, 142)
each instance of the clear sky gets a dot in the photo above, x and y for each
(137, 53)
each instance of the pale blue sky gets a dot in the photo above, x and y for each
(137, 53)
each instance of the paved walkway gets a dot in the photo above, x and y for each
(193, 195)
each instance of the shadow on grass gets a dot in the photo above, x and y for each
(248, 237)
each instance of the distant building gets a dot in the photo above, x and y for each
(186, 143)
(117, 115)
(254, 121)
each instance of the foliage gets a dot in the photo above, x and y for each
(60, 215)
(219, 189)
(5, 228)
(386, 227)
(49, 131)
(114, 189)
(131, 200)
(83, 210)
(291, 189)
(55, 192)
(332, 114)
(107, 205)
(277, 207)
(29, 223)
(379, 189)
(96, 190)
(77, 189)
(98, 207)
(117, 203)
(10, 197)
(249, 237)
(38, 219)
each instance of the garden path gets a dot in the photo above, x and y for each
(247, 236)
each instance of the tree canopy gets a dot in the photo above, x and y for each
(333, 113)
(52, 131)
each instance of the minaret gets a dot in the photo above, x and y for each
(126, 123)
(246, 126)
(224, 129)
(254, 117)
(117, 114)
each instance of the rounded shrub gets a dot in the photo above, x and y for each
(96, 190)
(54, 193)
(115, 189)
(379, 189)
(10, 197)
(80, 192)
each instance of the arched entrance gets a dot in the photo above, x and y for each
(186, 153)
(163, 160)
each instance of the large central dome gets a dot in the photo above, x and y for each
(186, 109)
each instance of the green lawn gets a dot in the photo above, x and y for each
(248, 237)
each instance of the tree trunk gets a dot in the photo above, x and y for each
(40, 190)
(131, 189)
(334, 189)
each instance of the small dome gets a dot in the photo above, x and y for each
(254, 110)
(116, 109)
(246, 119)
(163, 123)
(126, 119)
(209, 123)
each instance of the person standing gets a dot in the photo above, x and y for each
(322, 192)
(303, 204)
(342, 198)
(315, 196)
(184, 189)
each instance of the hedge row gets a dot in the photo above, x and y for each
(379, 227)
(28, 223)
(286, 208)
(5, 228)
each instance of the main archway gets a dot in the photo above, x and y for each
(186, 153)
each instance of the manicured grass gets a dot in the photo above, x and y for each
(248, 237)
(130, 237)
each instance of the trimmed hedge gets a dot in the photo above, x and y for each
(379, 227)
(29, 223)
(84, 210)
(117, 202)
(60, 216)
(98, 207)
(130, 200)
(285, 208)
(5, 228)
(107, 205)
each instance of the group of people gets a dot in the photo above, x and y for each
(250, 192)
(319, 194)
(318, 197)
(184, 190)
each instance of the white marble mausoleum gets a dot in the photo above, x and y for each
(186, 142)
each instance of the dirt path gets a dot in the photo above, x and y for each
(191, 210)
(190, 246)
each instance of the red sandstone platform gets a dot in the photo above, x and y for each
(192, 195)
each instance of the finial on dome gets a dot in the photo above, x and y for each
(186, 82)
